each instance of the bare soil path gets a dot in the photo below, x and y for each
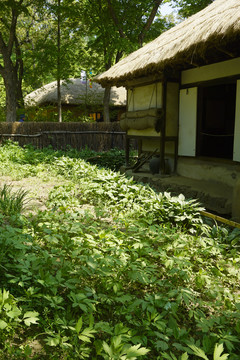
(38, 190)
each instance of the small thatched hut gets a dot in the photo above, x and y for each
(78, 97)
(183, 93)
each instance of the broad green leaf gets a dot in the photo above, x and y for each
(107, 349)
(53, 341)
(198, 352)
(161, 345)
(184, 356)
(84, 338)
(79, 325)
(3, 324)
(173, 356)
(116, 342)
(14, 313)
(83, 307)
(4, 295)
(88, 332)
(91, 321)
(30, 317)
(166, 356)
(136, 350)
(218, 351)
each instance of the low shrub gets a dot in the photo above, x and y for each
(113, 270)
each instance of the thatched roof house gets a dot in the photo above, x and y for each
(209, 36)
(183, 99)
(74, 92)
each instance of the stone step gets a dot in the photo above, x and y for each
(212, 195)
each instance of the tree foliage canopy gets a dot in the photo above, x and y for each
(94, 35)
(187, 8)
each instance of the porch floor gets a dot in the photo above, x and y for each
(213, 196)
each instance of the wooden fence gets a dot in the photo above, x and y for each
(95, 136)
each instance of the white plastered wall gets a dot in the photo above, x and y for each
(187, 122)
(145, 97)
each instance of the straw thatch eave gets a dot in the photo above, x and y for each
(212, 35)
(75, 92)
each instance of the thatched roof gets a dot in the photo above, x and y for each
(75, 92)
(211, 35)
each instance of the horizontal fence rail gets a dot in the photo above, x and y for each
(95, 136)
(64, 132)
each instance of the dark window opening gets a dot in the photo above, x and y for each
(216, 119)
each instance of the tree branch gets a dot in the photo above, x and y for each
(12, 32)
(149, 22)
(3, 51)
(118, 56)
(115, 19)
(2, 44)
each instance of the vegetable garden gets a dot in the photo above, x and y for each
(110, 269)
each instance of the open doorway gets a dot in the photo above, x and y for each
(216, 119)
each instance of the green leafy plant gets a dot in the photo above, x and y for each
(12, 202)
(110, 269)
(217, 355)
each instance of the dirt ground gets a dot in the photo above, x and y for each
(214, 198)
(38, 190)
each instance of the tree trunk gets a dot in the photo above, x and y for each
(11, 95)
(106, 100)
(9, 70)
(59, 64)
(59, 100)
(19, 74)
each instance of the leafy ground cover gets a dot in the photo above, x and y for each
(108, 268)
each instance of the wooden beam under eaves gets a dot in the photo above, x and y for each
(146, 80)
(224, 51)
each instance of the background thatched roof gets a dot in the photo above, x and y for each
(211, 35)
(75, 92)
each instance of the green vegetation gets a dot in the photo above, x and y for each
(111, 269)
(11, 202)
(94, 36)
(187, 8)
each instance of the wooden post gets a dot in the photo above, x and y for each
(175, 155)
(127, 149)
(59, 63)
(140, 146)
(236, 202)
(163, 127)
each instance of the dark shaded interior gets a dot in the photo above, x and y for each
(216, 119)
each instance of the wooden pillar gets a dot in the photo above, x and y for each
(127, 150)
(236, 202)
(175, 155)
(140, 146)
(163, 127)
